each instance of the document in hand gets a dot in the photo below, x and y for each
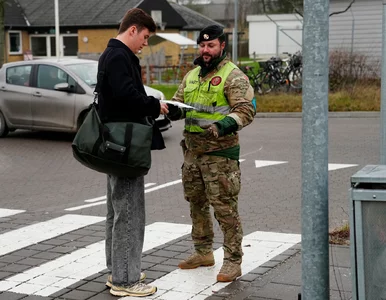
(179, 104)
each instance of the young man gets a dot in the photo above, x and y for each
(123, 98)
(221, 96)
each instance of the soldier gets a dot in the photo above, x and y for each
(222, 99)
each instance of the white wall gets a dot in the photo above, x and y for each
(266, 40)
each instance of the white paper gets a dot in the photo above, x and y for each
(179, 104)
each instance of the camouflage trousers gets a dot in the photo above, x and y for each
(213, 180)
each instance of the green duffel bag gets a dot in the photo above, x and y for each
(118, 148)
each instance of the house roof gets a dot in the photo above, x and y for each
(193, 19)
(93, 13)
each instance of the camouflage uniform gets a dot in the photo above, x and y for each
(215, 180)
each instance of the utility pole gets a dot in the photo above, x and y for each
(2, 33)
(315, 256)
(57, 30)
(235, 33)
(383, 91)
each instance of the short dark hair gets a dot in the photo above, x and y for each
(139, 18)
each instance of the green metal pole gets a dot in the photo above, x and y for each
(315, 256)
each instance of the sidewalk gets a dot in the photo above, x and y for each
(281, 278)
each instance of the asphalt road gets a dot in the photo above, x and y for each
(39, 174)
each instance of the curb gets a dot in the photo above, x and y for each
(348, 114)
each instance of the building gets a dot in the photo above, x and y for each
(358, 30)
(87, 25)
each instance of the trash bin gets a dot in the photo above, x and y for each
(368, 233)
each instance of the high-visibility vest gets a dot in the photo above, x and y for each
(207, 98)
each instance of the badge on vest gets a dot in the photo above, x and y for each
(216, 81)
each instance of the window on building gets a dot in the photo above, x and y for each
(15, 46)
(39, 45)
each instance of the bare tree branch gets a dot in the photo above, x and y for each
(343, 11)
(334, 13)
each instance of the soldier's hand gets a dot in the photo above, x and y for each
(211, 131)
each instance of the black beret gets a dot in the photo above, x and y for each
(209, 33)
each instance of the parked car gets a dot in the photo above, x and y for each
(50, 95)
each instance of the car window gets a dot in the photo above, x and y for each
(19, 75)
(49, 76)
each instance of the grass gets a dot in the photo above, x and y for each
(340, 235)
(358, 98)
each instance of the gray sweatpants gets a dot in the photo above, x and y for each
(125, 228)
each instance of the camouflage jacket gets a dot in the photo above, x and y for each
(239, 94)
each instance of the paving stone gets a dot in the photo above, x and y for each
(168, 254)
(260, 270)
(77, 284)
(34, 297)
(69, 237)
(163, 268)
(172, 262)
(15, 268)
(146, 265)
(92, 287)
(84, 232)
(41, 247)
(8, 259)
(148, 252)
(278, 291)
(54, 242)
(290, 252)
(5, 274)
(30, 261)
(101, 278)
(60, 293)
(25, 253)
(76, 244)
(177, 248)
(103, 296)
(78, 295)
(269, 264)
(99, 234)
(280, 258)
(92, 277)
(91, 239)
(11, 296)
(249, 277)
(154, 274)
(62, 249)
(154, 259)
(47, 255)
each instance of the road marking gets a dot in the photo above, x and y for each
(163, 186)
(62, 272)
(332, 167)
(258, 247)
(265, 163)
(242, 159)
(32, 234)
(104, 197)
(9, 212)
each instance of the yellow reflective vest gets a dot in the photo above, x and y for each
(207, 98)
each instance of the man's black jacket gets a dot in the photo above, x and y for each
(122, 96)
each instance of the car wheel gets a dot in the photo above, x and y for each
(3, 126)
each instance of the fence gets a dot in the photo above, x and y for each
(172, 74)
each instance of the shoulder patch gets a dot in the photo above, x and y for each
(216, 80)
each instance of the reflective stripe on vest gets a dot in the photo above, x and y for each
(207, 98)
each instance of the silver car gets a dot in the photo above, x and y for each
(50, 95)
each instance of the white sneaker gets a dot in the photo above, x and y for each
(109, 281)
(136, 290)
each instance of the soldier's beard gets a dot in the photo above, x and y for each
(209, 61)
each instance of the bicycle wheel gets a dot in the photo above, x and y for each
(264, 83)
(295, 78)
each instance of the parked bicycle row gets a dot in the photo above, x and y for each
(277, 74)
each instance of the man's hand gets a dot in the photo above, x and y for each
(164, 108)
(211, 131)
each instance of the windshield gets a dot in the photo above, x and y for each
(87, 72)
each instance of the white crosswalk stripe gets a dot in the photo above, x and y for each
(64, 271)
(57, 274)
(258, 247)
(9, 212)
(32, 234)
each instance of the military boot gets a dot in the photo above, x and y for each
(229, 271)
(197, 260)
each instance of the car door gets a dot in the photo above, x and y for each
(15, 94)
(51, 108)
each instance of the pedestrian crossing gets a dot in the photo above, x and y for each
(70, 268)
